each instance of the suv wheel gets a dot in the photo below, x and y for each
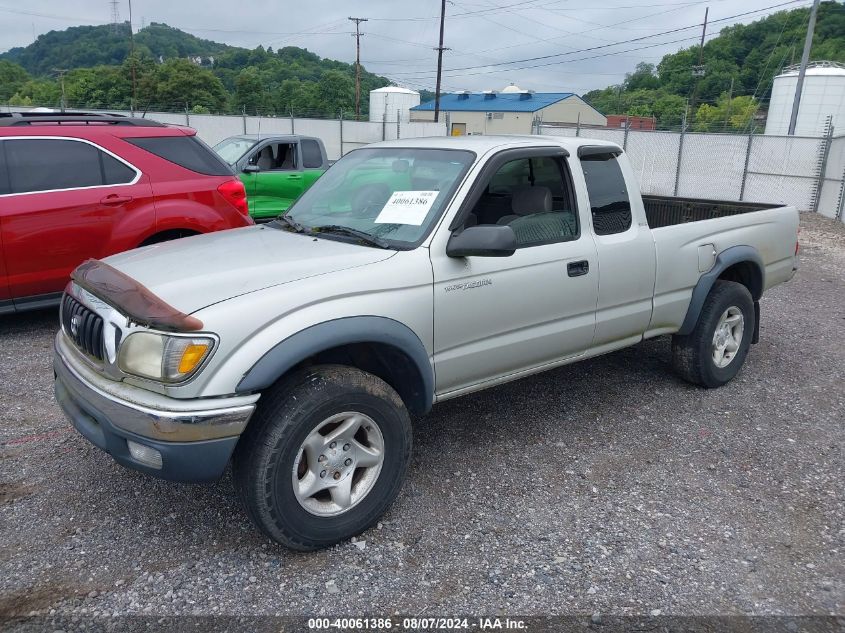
(713, 353)
(323, 457)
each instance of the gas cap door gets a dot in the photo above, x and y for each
(706, 257)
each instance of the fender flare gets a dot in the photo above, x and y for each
(727, 258)
(344, 331)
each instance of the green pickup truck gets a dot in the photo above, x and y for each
(274, 169)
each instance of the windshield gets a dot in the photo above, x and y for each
(233, 148)
(394, 194)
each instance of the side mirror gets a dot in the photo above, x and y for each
(251, 169)
(482, 241)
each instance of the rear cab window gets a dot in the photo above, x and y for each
(186, 151)
(610, 204)
(312, 157)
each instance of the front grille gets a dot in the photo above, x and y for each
(83, 327)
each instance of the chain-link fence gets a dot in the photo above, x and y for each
(805, 172)
(832, 197)
(339, 135)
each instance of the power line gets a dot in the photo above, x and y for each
(51, 16)
(635, 39)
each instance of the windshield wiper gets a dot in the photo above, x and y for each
(345, 230)
(296, 226)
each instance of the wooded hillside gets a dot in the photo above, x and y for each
(741, 63)
(169, 77)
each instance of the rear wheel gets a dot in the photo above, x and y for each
(713, 353)
(323, 457)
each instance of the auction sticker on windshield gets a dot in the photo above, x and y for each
(407, 207)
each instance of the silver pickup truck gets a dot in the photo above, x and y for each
(412, 272)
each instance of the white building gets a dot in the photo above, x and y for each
(823, 95)
(386, 102)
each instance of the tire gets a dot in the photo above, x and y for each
(273, 470)
(695, 356)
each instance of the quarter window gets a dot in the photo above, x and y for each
(50, 164)
(115, 172)
(609, 201)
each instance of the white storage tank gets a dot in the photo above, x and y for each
(823, 95)
(387, 100)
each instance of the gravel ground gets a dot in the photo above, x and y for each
(608, 486)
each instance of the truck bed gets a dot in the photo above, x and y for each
(668, 211)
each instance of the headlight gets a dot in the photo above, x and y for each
(162, 357)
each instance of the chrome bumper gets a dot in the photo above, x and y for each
(195, 443)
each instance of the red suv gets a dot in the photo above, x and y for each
(79, 186)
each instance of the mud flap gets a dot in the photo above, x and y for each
(756, 337)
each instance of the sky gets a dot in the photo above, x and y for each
(582, 44)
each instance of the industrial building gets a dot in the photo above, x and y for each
(511, 111)
(822, 96)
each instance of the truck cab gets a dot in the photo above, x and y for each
(275, 169)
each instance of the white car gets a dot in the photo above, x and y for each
(412, 272)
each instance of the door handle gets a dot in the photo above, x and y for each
(294, 177)
(576, 269)
(115, 200)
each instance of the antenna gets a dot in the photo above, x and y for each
(134, 100)
(115, 15)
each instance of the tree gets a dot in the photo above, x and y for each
(178, 83)
(38, 92)
(734, 114)
(249, 92)
(12, 77)
(669, 110)
(337, 92)
(643, 78)
(101, 87)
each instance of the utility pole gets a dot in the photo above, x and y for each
(698, 71)
(440, 49)
(357, 36)
(61, 73)
(132, 56)
(805, 57)
(730, 103)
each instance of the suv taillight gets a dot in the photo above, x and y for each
(235, 194)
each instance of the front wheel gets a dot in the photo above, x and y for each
(324, 456)
(713, 353)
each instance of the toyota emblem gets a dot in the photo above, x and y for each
(74, 325)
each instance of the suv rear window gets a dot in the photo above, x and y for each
(186, 151)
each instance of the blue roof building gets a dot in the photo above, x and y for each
(512, 111)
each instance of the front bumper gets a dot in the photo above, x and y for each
(195, 445)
